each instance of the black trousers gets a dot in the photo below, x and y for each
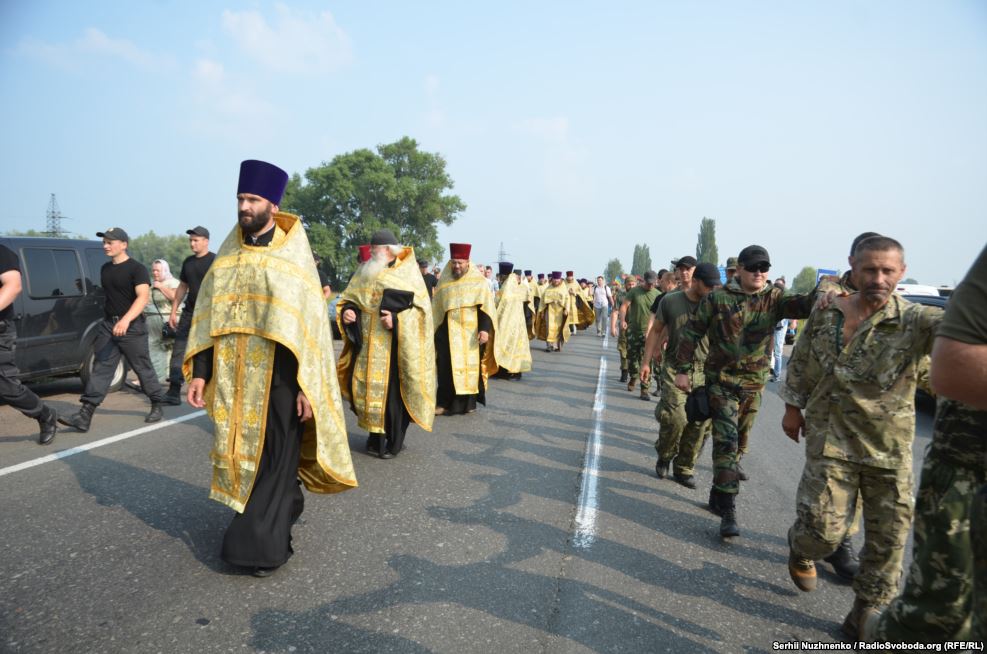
(12, 391)
(178, 349)
(109, 348)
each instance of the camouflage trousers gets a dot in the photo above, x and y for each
(622, 348)
(978, 541)
(937, 599)
(635, 351)
(678, 439)
(732, 411)
(825, 504)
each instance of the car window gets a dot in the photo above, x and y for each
(95, 258)
(52, 273)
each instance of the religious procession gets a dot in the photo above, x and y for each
(254, 347)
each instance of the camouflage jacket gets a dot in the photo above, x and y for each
(859, 396)
(740, 327)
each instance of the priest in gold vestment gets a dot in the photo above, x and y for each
(387, 367)
(582, 311)
(260, 360)
(512, 349)
(554, 314)
(465, 320)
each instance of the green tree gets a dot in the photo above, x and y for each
(39, 234)
(148, 247)
(613, 270)
(805, 281)
(909, 280)
(706, 246)
(345, 201)
(641, 262)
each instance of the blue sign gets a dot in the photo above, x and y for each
(723, 274)
(823, 272)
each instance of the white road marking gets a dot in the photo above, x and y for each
(100, 443)
(588, 501)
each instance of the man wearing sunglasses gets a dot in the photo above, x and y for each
(739, 320)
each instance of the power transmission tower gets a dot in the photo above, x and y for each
(55, 218)
(502, 254)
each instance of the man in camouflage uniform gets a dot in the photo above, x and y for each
(629, 282)
(635, 314)
(944, 595)
(739, 320)
(679, 439)
(854, 372)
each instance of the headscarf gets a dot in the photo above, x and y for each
(165, 269)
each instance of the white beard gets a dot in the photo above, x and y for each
(373, 266)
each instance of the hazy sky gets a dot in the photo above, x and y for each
(572, 130)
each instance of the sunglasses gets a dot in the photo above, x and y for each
(761, 267)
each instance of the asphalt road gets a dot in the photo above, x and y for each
(486, 535)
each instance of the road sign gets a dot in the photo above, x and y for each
(823, 272)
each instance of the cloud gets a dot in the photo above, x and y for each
(93, 44)
(555, 129)
(299, 42)
(222, 104)
(434, 117)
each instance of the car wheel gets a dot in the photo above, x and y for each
(119, 375)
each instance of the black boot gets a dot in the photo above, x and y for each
(661, 468)
(155, 414)
(844, 560)
(48, 421)
(713, 505)
(728, 514)
(81, 419)
(623, 374)
(174, 394)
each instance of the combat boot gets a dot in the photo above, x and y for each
(712, 504)
(857, 618)
(728, 515)
(801, 570)
(689, 481)
(48, 422)
(661, 468)
(174, 394)
(644, 393)
(81, 419)
(155, 414)
(844, 560)
(630, 384)
(623, 374)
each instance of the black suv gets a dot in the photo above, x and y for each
(59, 307)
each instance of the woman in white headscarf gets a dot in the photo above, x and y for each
(156, 313)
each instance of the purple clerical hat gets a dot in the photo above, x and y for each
(505, 267)
(263, 179)
(556, 274)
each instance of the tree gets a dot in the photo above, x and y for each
(398, 187)
(613, 270)
(38, 234)
(706, 246)
(148, 247)
(805, 281)
(641, 263)
(909, 280)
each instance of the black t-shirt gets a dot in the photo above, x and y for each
(654, 305)
(323, 278)
(8, 262)
(430, 282)
(193, 271)
(119, 280)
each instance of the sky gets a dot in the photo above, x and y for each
(573, 130)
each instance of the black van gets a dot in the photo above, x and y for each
(58, 309)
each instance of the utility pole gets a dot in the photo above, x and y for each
(55, 217)
(502, 255)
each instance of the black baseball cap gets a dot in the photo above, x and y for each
(198, 230)
(114, 234)
(686, 262)
(707, 273)
(753, 255)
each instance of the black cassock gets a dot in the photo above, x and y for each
(445, 396)
(261, 535)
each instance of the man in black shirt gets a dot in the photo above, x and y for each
(194, 269)
(122, 332)
(12, 391)
(430, 279)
